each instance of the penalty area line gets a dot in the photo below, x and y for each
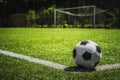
(52, 64)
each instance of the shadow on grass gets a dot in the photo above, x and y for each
(78, 69)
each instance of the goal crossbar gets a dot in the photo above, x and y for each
(75, 7)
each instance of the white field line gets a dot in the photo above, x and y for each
(35, 60)
(105, 67)
(51, 64)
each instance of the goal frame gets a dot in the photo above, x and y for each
(94, 12)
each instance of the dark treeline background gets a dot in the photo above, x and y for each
(9, 9)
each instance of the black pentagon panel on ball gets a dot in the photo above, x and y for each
(74, 53)
(87, 56)
(98, 49)
(84, 42)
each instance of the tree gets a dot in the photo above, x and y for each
(39, 4)
(9, 7)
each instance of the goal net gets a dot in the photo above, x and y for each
(84, 17)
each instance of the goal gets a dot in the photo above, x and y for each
(84, 17)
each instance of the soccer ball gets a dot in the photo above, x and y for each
(87, 54)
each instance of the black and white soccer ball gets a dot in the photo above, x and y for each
(87, 54)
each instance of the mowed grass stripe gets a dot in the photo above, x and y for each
(52, 64)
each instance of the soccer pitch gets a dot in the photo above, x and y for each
(55, 45)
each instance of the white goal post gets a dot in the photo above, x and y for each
(84, 15)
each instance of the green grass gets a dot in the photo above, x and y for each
(55, 45)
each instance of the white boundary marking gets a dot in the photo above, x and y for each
(51, 64)
(105, 67)
(35, 60)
